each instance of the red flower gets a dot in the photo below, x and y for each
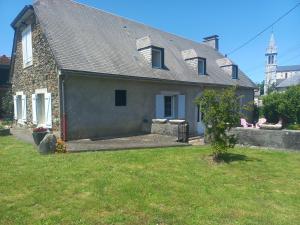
(40, 129)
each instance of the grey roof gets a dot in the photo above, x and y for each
(294, 80)
(288, 68)
(83, 38)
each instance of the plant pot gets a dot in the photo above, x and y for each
(38, 137)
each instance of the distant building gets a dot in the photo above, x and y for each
(4, 78)
(274, 74)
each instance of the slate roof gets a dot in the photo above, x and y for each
(83, 38)
(294, 80)
(288, 68)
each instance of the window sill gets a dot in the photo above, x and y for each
(27, 66)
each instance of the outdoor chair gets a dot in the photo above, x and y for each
(260, 122)
(245, 124)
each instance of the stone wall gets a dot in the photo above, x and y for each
(165, 127)
(282, 139)
(42, 74)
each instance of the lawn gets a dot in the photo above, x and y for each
(158, 186)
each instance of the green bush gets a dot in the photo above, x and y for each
(283, 105)
(293, 127)
(221, 110)
(6, 102)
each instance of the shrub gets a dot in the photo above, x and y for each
(284, 105)
(61, 146)
(221, 111)
(271, 107)
(7, 104)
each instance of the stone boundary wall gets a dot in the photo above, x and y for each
(280, 139)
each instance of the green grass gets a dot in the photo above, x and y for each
(159, 186)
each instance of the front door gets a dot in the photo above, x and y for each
(199, 123)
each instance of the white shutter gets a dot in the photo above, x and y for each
(181, 106)
(24, 46)
(33, 102)
(29, 45)
(159, 106)
(15, 107)
(24, 110)
(48, 111)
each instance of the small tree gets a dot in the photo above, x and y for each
(221, 112)
(6, 103)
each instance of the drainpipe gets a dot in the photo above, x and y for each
(63, 109)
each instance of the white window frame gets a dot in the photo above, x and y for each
(48, 111)
(160, 58)
(23, 112)
(203, 61)
(27, 47)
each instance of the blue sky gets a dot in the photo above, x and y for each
(233, 20)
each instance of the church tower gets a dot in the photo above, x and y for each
(271, 64)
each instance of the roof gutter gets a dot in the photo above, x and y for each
(21, 15)
(128, 77)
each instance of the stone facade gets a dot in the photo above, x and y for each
(41, 74)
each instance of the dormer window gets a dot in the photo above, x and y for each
(157, 57)
(201, 66)
(235, 72)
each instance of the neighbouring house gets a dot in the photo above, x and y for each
(4, 81)
(87, 73)
(289, 82)
(276, 75)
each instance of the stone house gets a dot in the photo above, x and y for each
(86, 73)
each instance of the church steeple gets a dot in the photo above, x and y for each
(271, 64)
(272, 48)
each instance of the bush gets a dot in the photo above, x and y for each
(7, 104)
(221, 111)
(283, 105)
(61, 146)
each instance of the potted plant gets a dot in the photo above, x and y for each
(38, 134)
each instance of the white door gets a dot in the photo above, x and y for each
(199, 123)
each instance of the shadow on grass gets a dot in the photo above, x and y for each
(232, 157)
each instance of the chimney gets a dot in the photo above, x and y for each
(212, 41)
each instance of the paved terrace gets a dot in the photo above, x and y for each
(119, 143)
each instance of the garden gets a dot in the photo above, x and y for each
(151, 186)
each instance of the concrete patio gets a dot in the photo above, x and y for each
(117, 143)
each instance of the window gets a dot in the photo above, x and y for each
(271, 59)
(27, 47)
(120, 98)
(40, 108)
(168, 106)
(286, 75)
(19, 107)
(201, 66)
(157, 58)
(234, 72)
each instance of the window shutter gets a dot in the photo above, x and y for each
(15, 107)
(29, 45)
(24, 108)
(48, 111)
(34, 120)
(181, 106)
(24, 46)
(159, 106)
